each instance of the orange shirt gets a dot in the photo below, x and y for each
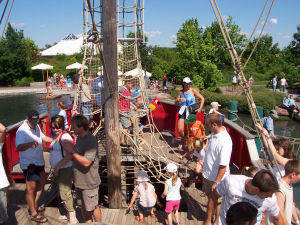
(196, 130)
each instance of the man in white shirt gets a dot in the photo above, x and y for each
(3, 181)
(283, 84)
(29, 138)
(259, 191)
(216, 162)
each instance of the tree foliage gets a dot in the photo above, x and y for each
(16, 56)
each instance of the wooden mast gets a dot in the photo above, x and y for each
(109, 27)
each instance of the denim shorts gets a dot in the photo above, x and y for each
(144, 209)
(3, 206)
(33, 172)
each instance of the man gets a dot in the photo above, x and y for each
(29, 138)
(283, 84)
(274, 83)
(234, 82)
(269, 122)
(216, 162)
(85, 168)
(3, 181)
(259, 191)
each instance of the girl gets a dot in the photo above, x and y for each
(172, 193)
(200, 145)
(60, 160)
(185, 98)
(148, 197)
(62, 112)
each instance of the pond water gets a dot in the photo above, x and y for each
(14, 109)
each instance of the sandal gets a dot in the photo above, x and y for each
(38, 218)
(152, 214)
(141, 220)
(40, 209)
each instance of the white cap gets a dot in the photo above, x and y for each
(187, 80)
(215, 104)
(171, 168)
(142, 176)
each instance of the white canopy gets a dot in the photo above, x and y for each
(42, 66)
(136, 72)
(120, 73)
(75, 66)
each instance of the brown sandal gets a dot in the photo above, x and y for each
(40, 209)
(141, 220)
(38, 218)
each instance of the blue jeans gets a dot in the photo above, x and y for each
(86, 110)
(274, 88)
(283, 88)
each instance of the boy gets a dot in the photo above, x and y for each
(285, 193)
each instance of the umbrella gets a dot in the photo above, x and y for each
(75, 66)
(136, 72)
(42, 67)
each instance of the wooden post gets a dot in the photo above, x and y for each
(47, 84)
(109, 26)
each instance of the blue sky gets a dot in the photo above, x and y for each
(48, 21)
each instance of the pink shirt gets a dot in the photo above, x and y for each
(124, 100)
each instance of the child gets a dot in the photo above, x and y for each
(148, 197)
(285, 193)
(200, 145)
(172, 192)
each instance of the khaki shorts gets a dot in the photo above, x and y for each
(206, 187)
(89, 198)
(3, 206)
(125, 119)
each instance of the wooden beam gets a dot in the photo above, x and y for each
(109, 27)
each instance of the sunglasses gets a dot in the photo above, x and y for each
(34, 120)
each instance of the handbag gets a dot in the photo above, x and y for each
(193, 108)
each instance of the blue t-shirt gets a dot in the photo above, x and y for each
(268, 123)
(173, 191)
(286, 101)
(190, 99)
(97, 90)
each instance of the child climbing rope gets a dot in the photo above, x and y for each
(148, 197)
(172, 193)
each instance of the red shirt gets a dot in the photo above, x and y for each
(124, 100)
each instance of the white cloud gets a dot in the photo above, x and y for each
(42, 25)
(18, 25)
(203, 27)
(273, 21)
(225, 17)
(152, 34)
(287, 36)
(174, 36)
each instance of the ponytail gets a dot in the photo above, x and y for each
(174, 179)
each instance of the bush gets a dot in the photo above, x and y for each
(25, 81)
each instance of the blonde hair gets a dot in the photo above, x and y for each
(292, 166)
(174, 177)
(61, 105)
(199, 143)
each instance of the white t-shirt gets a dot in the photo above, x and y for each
(173, 191)
(211, 110)
(55, 153)
(64, 115)
(233, 190)
(283, 81)
(276, 172)
(147, 198)
(3, 181)
(200, 155)
(234, 79)
(218, 153)
(34, 156)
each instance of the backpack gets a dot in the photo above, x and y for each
(75, 78)
(73, 138)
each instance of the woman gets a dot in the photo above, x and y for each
(62, 112)
(60, 160)
(185, 98)
(250, 81)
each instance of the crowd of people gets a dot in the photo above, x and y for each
(256, 196)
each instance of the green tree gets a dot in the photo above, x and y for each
(16, 54)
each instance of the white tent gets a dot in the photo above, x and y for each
(136, 72)
(42, 67)
(120, 73)
(75, 66)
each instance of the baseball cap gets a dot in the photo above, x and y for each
(187, 80)
(215, 104)
(171, 168)
(191, 118)
(142, 176)
(33, 115)
(274, 113)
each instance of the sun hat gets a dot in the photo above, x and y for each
(274, 113)
(33, 115)
(215, 104)
(171, 168)
(191, 118)
(142, 176)
(186, 80)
